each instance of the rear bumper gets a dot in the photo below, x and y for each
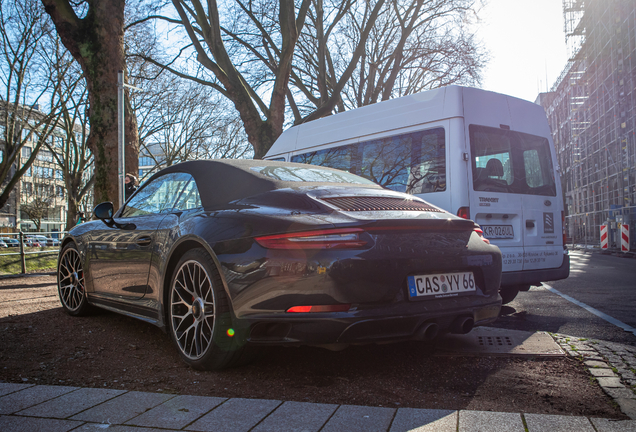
(532, 277)
(360, 328)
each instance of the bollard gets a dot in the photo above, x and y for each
(22, 259)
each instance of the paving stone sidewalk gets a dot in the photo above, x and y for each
(612, 365)
(26, 407)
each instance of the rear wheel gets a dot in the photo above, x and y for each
(200, 316)
(70, 282)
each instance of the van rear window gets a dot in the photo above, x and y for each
(414, 162)
(511, 162)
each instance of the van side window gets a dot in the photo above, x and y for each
(512, 162)
(413, 163)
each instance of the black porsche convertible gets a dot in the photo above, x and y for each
(229, 255)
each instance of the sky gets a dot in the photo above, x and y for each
(526, 43)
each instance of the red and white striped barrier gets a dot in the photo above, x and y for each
(604, 237)
(624, 238)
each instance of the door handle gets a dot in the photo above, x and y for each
(529, 224)
(144, 241)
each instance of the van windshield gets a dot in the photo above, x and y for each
(511, 162)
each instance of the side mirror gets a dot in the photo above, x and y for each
(104, 211)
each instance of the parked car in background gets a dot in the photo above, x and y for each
(3, 244)
(43, 240)
(229, 255)
(31, 242)
(50, 241)
(10, 241)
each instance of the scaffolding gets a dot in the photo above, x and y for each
(592, 112)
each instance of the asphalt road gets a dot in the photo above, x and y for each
(604, 282)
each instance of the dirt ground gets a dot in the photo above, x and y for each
(40, 344)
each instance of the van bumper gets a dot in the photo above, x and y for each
(533, 277)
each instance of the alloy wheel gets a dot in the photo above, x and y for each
(71, 280)
(192, 310)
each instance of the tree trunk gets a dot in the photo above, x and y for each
(97, 43)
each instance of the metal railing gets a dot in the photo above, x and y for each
(29, 240)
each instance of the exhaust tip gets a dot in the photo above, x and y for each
(427, 332)
(462, 325)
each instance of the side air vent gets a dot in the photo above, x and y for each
(379, 204)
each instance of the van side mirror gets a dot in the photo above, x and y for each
(104, 212)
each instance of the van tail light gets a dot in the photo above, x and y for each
(344, 238)
(464, 212)
(480, 233)
(320, 308)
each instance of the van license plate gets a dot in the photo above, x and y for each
(441, 285)
(498, 231)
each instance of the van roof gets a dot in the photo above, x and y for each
(357, 124)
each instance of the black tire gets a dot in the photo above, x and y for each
(71, 286)
(200, 316)
(508, 293)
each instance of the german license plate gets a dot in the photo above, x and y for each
(498, 231)
(441, 285)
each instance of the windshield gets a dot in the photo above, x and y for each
(511, 162)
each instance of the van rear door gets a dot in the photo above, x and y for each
(492, 206)
(542, 206)
(514, 197)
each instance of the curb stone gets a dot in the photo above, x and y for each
(611, 364)
(56, 410)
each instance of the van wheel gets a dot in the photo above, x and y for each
(508, 293)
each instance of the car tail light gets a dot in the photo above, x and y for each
(320, 308)
(480, 233)
(345, 238)
(464, 212)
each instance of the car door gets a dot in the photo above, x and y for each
(177, 222)
(119, 255)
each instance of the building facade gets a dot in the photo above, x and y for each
(42, 194)
(592, 112)
(39, 200)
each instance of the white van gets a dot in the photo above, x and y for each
(478, 154)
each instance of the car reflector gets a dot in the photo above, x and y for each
(320, 308)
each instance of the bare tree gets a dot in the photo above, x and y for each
(38, 206)
(320, 76)
(30, 105)
(417, 45)
(270, 59)
(93, 32)
(414, 45)
(279, 25)
(69, 144)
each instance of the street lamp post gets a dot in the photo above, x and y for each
(121, 137)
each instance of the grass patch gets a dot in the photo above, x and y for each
(11, 264)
